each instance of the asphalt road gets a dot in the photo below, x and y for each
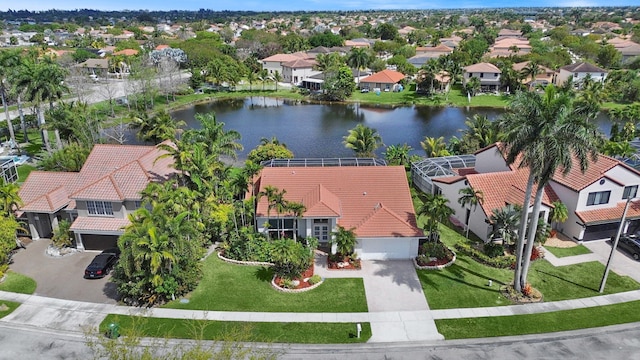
(611, 343)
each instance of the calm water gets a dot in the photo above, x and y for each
(314, 130)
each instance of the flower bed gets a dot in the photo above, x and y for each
(339, 262)
(434, 255)
(435, 264)
(303, 283)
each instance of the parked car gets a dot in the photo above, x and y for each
(630, 244)
(102, 264)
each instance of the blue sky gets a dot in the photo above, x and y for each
(281, 5)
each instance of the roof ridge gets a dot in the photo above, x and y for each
(116, 187)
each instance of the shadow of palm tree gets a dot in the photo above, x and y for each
(565, 280)
(264, 274)
(399, 273)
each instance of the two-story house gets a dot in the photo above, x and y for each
(579, 71)
(96, 200)
(488, 74)
(274, 63)
(297, 70)
(595, 200)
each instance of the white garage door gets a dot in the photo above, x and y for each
(387, 248)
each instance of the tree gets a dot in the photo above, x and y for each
(277, 77)
(155, 128)
(9, 63)
(505, 222)
(436, 209)
(70, 158)
(10, 200)
(609, 57)
(358, 58)
(387, 31)
(363, 141)
(212, 133)
(328, 62)
(338, 85)
(543, 135)
(471, 198)
(297, 209)
(472, 87)
(344, 240)
(531, 70)
(399, 155)
(270, 192)
(326, 39)
(269, 150)
(559, 213)
(8, 228)
(434, 147)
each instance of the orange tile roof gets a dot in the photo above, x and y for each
(384, 77)
(607, 215)
(286, 57)
(482, 67)
(110, 173)
(576, 180)
(300, 63)
(126, 52)
(375, 200)
(95, 223)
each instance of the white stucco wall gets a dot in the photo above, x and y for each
(387, 248)
(490, 161)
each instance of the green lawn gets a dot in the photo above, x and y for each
(18, 283)
(571, 251)
(269, 332)
(23, 171)
(456, 97)
(14, 305)
(228, 287)
(465, 283)
(539, 323)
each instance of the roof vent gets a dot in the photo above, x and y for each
(378, 206)
(364, 193)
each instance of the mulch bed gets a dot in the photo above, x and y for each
(303, 284)
(437, 262)
(344, 265)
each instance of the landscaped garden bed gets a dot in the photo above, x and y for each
(305, 282)
(340, 262)
(434, 256)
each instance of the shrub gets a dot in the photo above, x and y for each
(535, 253)
(502, 262)
(493, 250)
(248, 246)
(434, 249)
(315, 279)
(287, 284)
(62, 235)
(290, 258)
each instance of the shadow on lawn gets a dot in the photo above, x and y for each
(458, 273)
(264, 274)
(565, 280)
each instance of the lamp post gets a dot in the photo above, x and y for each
(615, 244)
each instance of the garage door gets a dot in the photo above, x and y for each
(387, 249)
(99, 242)
(603, 231)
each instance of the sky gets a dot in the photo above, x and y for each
(288, 5)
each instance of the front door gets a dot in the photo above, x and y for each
(321, 232)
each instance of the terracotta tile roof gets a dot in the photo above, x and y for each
(440, 48)
(482, 67)
(127, 52)
(92, 223)
(607, 215)
(111, 173)
(374, 199)
(285, 57)
(507, 187)
(448, 179)
(384, 77)
(576, 180)
(300, 63)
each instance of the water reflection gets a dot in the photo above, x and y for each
(317, 130)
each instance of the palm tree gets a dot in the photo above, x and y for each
(358, 58)
(297, 209)
(277, 77)
(156, 128)
(154, 253)
(544, 134)
(398, 155)
(9, 62)
(212, 133)
(559, 213)
(363, 141)
(263, 76)
(471, 198)
(505, 222)
(436, 209)
(531, 70)
(434, 147)
(344, 239)
(9, 198)
(251, 78)
(270, 192)
(280, 204)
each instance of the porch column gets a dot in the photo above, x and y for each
(54, 221)
(79, 243)
(33, 229)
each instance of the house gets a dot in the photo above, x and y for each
(509, 46)
(97, 67)
(488, 74)
(98, 199)
(627, 48)
(374, 201)
(544, 78)
(594, 200)
(126, 52)
(297, 70)
(384, 80)
(424, 54)
(274, 63)
(579, 71)
(508, 33)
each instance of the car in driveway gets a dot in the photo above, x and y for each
(630, 244)
(102, 264)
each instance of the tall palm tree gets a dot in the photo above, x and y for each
(155, 128)
(281, 205)
(543, 134)
(531, 70)
(277, 77)
(263, 76)
(363, 141)
(270, 192)
(154, 253)
(358, 58)
(218, 140)
(9, 63)
(251, 78)
(437, 211)
(472, 198)
(297, 209)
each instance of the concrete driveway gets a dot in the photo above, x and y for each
(63, 278)
(623, 263)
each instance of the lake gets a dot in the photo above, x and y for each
(316, 130)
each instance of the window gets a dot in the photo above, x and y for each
(597, 198)
(481, 75)
(630, 192)
(100, 208)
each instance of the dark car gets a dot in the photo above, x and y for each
(630, 244)
(102, 264)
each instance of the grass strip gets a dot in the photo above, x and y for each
(270, 332)
(539, 323)
(7, 307)
(570, 251)
(18, 283)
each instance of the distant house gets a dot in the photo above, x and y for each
(296, 71)
(508, 33)
(374, 201)
(384, 80)
(424, 54)
(274, 63)
(127, 52)
(98, 199)
(627, 48)
(544, 78)
(509, 46)
(579, 71)
(97, 67)
(595, 200)
(488, 74)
